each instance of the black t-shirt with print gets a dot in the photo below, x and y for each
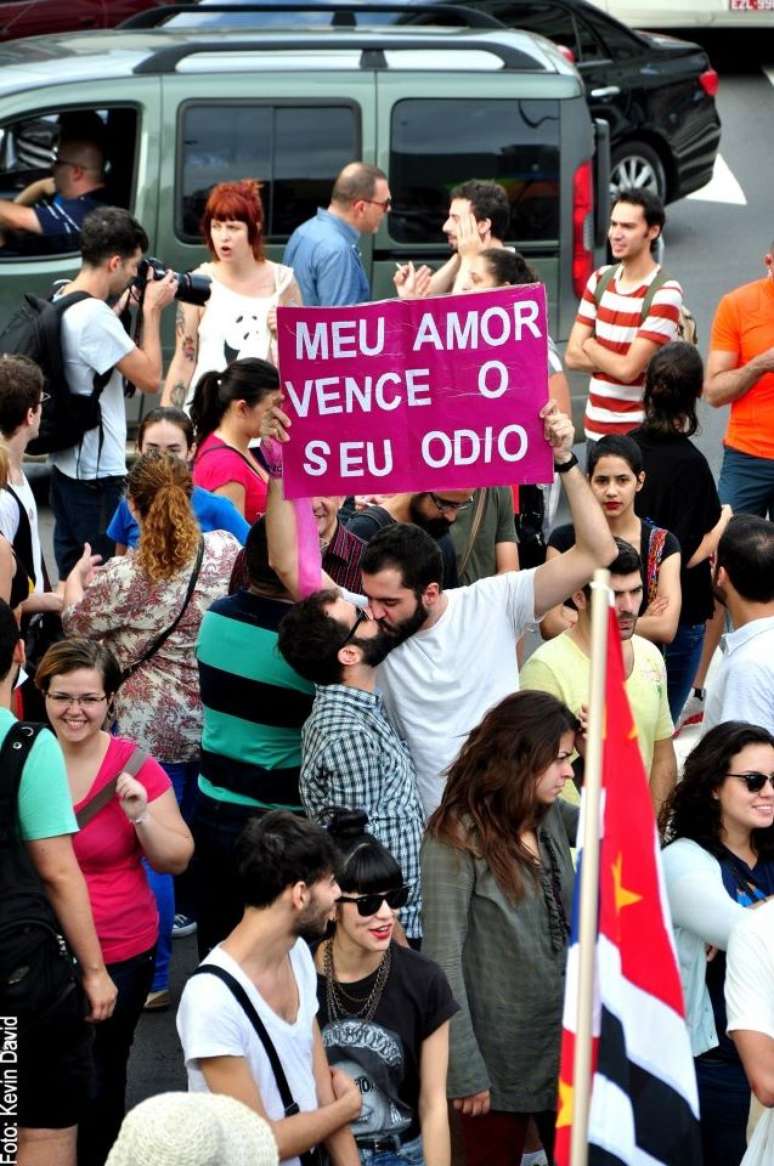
(383, 1055)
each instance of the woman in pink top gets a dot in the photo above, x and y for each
(227, 411)
(140, 818)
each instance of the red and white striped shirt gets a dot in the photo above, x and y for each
(613, 407)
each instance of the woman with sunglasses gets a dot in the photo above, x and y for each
(384, 1008)
(497, 877)
(719, 859)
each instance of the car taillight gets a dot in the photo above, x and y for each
(582, 227)
(710, 82)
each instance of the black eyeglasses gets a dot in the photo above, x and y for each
(754, 781)
(361, 617)
(444, 504)
(370, 904)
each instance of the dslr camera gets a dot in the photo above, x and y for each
(191, 289)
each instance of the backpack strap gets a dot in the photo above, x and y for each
(606, 277)
(236, 989)
(475, 526)
(132, 766)
(16, 748)
(259, 457)
(661, 277)
(22, 543)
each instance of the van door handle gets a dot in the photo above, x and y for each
(607, 91)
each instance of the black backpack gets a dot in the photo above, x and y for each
(37, 972)
(35, 331)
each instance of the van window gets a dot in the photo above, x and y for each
(29, 147)
(439, 143)
(295, 151)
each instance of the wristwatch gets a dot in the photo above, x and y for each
(565, 466)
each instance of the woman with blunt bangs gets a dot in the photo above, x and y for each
(680, 494)
(227, 412)
(240, 317)
(497, 878)
(719, 860)
(384, 1009)
(162, 589)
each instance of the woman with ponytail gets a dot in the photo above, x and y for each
(147, 608)
(384, 1009)
(227, 411)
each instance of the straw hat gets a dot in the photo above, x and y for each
(193, 1129)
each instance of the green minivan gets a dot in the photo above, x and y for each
(182, 111)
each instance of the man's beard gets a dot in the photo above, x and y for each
(376, 648)
(399, 632)
(435, 527)
(313, 924)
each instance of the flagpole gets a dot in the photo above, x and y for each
(589, 891)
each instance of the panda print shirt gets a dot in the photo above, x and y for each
(234, 326)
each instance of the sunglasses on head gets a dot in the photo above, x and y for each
(370, 904)
(754, 781)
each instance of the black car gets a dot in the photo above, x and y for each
(656, 92)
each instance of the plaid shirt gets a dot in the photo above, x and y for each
(341, 559)
(353, 757)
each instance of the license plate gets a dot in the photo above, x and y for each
(751, 5)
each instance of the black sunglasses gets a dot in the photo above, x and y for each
(754, 781)
(361, 617)
(370, 904)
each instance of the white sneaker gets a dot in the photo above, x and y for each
(534, 1158)
(183, 926)
(692, 714)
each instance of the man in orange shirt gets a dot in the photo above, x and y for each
(740, 372)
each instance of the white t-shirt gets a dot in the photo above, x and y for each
(9, 522)
(440, 682)
(750, 1000)
(93, 340)
(212, 1023)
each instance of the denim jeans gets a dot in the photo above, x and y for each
(169, 891)
(724, 1106)
(112, 1042)
(682, 659)
(82, 510)
(747, 483)
(409, 1154)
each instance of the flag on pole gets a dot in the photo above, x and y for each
(644, 1108)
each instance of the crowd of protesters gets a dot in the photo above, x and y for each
(364, 799)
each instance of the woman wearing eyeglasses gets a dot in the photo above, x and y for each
(127, 811)
(497, 877)
(384, 1009)
(719, 859)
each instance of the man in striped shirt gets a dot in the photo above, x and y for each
(621, 321)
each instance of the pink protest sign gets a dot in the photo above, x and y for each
(416, 394)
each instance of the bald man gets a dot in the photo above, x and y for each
(323, 251)
(54, 208)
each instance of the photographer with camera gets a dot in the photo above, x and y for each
(88, 478)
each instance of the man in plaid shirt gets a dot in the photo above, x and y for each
(351, 755)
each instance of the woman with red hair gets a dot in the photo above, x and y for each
(239, 319)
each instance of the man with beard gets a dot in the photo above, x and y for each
(743, 689)
(351, 755)
(262, 977)
(432, 511)
(561, 666)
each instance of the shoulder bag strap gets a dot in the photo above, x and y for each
(259, 457)
(160, 639)
(656, 542)
(132, 766)
(16, 749)
(475, 526)
(291, 1107)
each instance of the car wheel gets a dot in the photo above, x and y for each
(636, 165)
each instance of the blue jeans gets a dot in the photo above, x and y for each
(409, 1154)
(82, 510)
(682, 659)
(724, 1106)
(747, 483)
(184, 776)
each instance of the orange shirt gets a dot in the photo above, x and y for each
(744, 325)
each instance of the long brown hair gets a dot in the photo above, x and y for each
(160, 487)
(490, 790)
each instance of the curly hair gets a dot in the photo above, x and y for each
(490, 790)
(160, 487)
(691, 811)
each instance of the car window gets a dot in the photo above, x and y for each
(550, 20)
(296, 151)
(515, 143)
(28, 147)
(621, 44)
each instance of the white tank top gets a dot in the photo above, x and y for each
(234, 325)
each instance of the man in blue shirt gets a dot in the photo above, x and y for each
(54, 208)
(323, 251)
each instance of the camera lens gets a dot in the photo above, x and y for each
(193, 289)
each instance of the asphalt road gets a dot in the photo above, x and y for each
(713, 243)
